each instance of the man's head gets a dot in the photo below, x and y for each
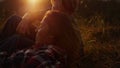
(34, 6)
(67, 6)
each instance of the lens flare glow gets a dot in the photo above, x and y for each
(32, 2)
(37, 5)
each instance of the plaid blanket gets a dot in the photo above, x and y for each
(46, 57)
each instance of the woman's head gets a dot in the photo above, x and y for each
(68, 6)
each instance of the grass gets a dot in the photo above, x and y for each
(102, 43)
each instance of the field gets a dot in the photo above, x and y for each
(101, 43)
(100, 31)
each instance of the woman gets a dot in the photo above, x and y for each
(57, 29)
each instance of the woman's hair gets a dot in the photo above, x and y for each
(68, 5)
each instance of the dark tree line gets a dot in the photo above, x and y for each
(109, 9)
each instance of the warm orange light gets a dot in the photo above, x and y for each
(37, 5)
(32, 2)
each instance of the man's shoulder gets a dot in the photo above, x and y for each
(15, 17)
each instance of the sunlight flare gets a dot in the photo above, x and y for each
(33, 2)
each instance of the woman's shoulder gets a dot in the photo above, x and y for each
(55, 13)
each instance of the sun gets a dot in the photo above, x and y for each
(33, 2)
(37, 5)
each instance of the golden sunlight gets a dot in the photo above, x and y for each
(33, 2)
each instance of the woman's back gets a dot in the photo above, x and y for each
(57, 29)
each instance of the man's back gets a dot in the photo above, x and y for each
(29, 24)
(10, 26)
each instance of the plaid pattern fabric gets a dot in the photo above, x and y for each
(45, 57)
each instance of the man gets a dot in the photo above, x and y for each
(27, 27)
(10, 26)
(18, 7)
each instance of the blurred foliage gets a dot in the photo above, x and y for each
(99, 23)
(109, 9)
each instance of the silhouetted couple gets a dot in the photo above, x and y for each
(56, 28)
